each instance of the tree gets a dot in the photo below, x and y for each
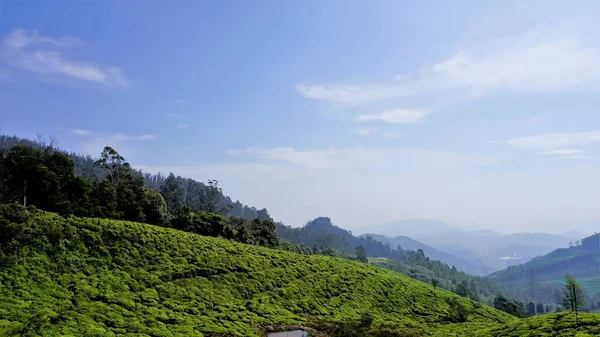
(511, 307)
(571, 297)
(462, 289)
(361, 254)
(531, 309)
(540, 308)
(458, 311)
(548, 308)
(435, 282)
(264, 233)
(211, 196)
(172, 193)
(155, 208)
(3, 176)
(111, 161)
(128, 185)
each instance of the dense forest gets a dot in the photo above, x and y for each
(47, 178)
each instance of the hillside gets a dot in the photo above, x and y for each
(105, 277)
(324, 237)
(542, 276)
(409, 244)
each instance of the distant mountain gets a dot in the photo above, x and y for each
(451, 260)
(478, 247)
(495, 249)
(414, 228)
(542, 276)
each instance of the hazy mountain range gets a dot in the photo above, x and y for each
(484, 248)
(470, 267)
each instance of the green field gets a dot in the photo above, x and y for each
(94, 277)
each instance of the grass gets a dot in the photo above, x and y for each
(94, 277)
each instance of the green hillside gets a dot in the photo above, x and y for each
(542, 276)
(92, 277)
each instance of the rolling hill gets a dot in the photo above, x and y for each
(409, 244)
(542, 276)
(95, 277)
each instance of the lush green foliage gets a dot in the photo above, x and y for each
(550, 325)
(93, 277)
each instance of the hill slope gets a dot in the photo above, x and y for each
(409, 244)
(98, 277)
(543, 275)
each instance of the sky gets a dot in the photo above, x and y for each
(483, 114)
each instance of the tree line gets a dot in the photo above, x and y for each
(46, 179)
(86, 166)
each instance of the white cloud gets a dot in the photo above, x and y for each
(349, 94)
(183, 126)
(360, 157)
(391, 134)
(146, 137)
(171, 115)
(529, 62)
(553, 141)
(179, 101)
(80, 132)
(396, 116)
(563, 152)
(20, 38)
(43, 56)
(364, 131)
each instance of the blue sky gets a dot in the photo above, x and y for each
(483, 114)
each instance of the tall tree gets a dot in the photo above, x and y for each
(3, 176)
(112, 162)
(571, 297)
(211, 198)
(539, 308)
(264, 233)
(173, 193)
(128, 185)
(435, 282)
(155, 208)
(361, 254)
(531, 309)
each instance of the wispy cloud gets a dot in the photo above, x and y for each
(391, 134)
(146, 137)
(183, 126)
(364, 131)
(563, 152)
(80, 132)
(171, 115)
(396, 116)
(179, 101)
(44, 56)
(530, 62)
(553, 141)
(359, 157)
(350, 94)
